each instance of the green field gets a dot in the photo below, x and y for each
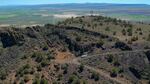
(42, 14)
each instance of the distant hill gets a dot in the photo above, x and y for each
(93, 5)
(85, 5)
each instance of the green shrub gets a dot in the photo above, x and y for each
(26, 78)
(21, 82)
(36, 81)
(141, 33)
(100, 43)
(27, 66)
(39, 68)
(26, 69)
(34, 54)
(123, 32)
(45, 47)
(95, 76)
(129, 31)
(65, 68)
(110, 58)
(3, 74)
(44, 63)
(115, 71)
(59, 77)
(107, 29)
(114, 33)
(116, 63)
(40, 58)
(81, 68)
(43, 81)
(135, 38)
(83, 81)
(49, 57)
(73, 79)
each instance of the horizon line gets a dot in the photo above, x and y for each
(74, 3)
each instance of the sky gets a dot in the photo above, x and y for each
(34, 2)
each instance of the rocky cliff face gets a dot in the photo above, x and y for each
(9, 38)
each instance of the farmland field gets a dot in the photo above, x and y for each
(42, 14)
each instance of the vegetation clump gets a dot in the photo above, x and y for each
(110, 58)
(65, 68)
(26, 78)
(73, 79)
(3, 74)
(114, 72)
(95, 76)
(26, 69)
(81, 68)
(100, 43)
(40, 81)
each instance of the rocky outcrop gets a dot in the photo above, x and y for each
(148, 55)
(72, 45)
(122, 46)
(9, 38)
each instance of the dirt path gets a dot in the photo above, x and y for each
(118, 52)
(101, 72)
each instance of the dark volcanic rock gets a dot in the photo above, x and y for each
(72, 45)
(135, 72)
(148, 55)
(11, 38)
(122, 46)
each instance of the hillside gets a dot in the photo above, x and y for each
(70, 53)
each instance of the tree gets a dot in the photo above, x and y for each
(81, 68)
(44, 63)
(95, 76)
(107, 29)
(100, 43)
(129, 31)
(114, 33)
(113, 73)
(110, 58)
(80, 20)
(135, 38)
(123, 32)
(40, 57)
(73, 80)
(39, 68)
